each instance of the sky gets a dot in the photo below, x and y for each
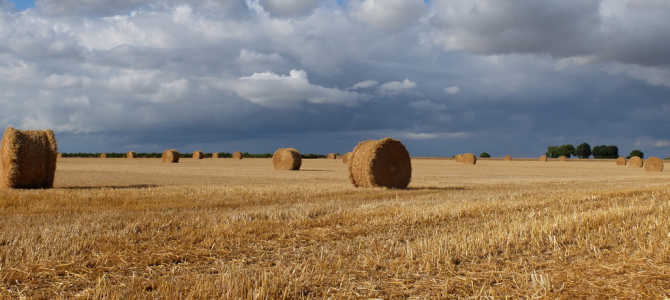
(507, 77)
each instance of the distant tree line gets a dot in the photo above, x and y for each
(181, 155)
(584, 151)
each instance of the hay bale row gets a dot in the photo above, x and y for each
(28, 159)
(653, 164)
(382, 163)
(170, 156)
(286, 159)
(346, 158)
(635, 162)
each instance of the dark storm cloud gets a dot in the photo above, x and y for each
(506, 77)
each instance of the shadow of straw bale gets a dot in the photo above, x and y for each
(122, 187)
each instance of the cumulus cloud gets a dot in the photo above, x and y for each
(452, 90)
(113, 7)
(289, 8)
(283, 92)
(364, 84)
(388, 14)
(395, 87)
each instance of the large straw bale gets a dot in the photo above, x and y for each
(131, 154)
(653, 164)
(237, 155)
(198, 154)
(458, 158)
(507, 158)
(621, 161)
(170, 156)
(103, 155)
(215, 155)
(28, 159)
(382, 163)
(346, 158)
(286, 159)
(469, 159)
(562, 158)
(635, 162)
(543, 158)
(331, 156)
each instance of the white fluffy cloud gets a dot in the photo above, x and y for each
(283, 92)
(388, 14)
(364, 84)
(395, 87)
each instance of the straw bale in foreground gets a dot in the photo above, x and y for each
(198, 154)
(286, 159)
(469, 159)
(507, 158)
(635, 162)
(131, 154)
(170, 156)
(331, 156)
(237, 155)
(653, 164)
(621, 161)
(543, 158)
(28, 159)
(382, 163)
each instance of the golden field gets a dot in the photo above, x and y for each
(237, 229)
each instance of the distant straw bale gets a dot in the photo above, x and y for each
(103, 155)
(215, 155)
(543, 158)
(621, 161)
(562, 158)
(653, 164)
(131, 154)
(59, 155)
(286, 159)
(382, 163)
(198, 154)
(507, 158)
(331, 156)
(237, 155)
(458, 158)
(28, 159)
(346, 158)
(635, 162)
(170, 156)
(469, 159)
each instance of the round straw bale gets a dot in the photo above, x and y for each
(59, 155)
(469, 159)
(346, 158)
(543, 158)
(198, 154)
(286, 159)
(170, 156)
(28, 159)
(653, 164)
(131, 154)
(237, 155)
(562, 158)
(331, 156)
(458, 158)
(215, 155)
(635, 162)
(382, 163)
(621, 161)
(507, 158)
(103, 155)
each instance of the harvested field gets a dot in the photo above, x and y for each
(119, 228)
